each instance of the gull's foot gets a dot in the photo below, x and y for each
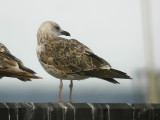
(60, 101)
(70, 101)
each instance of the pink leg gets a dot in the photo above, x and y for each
(70, 95)
(60, 91)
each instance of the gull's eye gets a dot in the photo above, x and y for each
(57, 28)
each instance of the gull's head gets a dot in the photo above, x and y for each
(50, 27)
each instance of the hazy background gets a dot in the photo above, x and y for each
(113, 29)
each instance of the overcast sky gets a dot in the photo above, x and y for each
(111, 28)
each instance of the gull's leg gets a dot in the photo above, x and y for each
(60, 90)
(70, 95)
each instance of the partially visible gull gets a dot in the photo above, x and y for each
(69, 59)
(10, 66)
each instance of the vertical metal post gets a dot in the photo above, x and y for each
(148, 44)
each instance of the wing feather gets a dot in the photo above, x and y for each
(7, 60)
(70, 56)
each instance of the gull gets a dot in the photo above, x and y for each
(10, 66)
(69, 59)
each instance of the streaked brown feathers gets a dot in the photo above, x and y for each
(10, 66)
(22, 75)
(70, 59)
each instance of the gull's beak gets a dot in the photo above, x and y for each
(65, 33)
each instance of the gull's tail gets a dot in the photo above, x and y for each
(105, 74)
(22, 75)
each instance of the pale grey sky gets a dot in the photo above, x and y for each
(111, 28)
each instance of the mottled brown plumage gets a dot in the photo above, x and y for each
(69, 59)
(70, 56)
(10, 66)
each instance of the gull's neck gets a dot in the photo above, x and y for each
(45, 36)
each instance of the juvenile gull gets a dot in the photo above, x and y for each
(68, 59)
(10, 66)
